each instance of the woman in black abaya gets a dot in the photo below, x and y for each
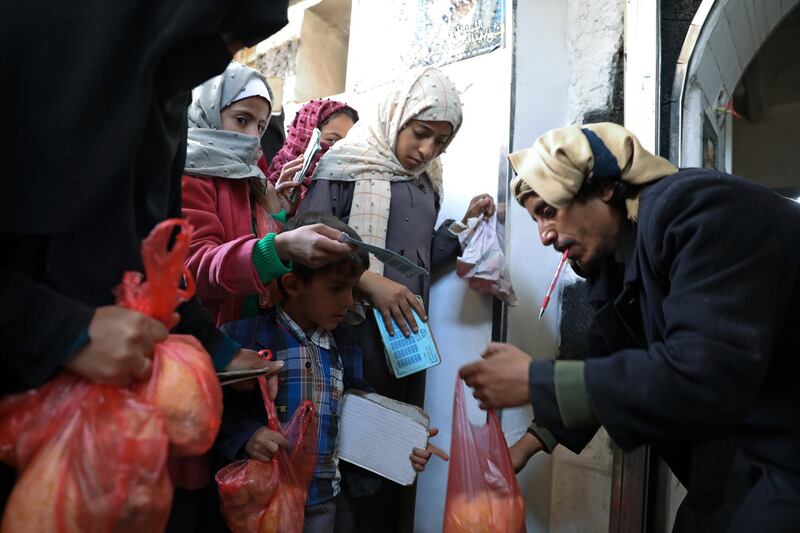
(95, 95)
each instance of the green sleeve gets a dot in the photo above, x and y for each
(543, 435)
(573, 401)
(266, 260)
(280, 217)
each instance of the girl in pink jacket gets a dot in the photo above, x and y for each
(235, 211)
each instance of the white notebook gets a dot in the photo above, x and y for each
(378, 434)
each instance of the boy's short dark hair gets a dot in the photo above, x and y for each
(357, 261)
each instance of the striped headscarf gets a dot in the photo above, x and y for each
(560, 160)
(367, 155)
(310, 116)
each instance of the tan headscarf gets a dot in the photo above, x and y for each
(367, 154)
(558, 162)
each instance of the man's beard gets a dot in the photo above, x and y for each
(591, 267)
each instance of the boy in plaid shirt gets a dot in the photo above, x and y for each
(321, 359)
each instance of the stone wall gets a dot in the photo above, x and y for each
(280, 60)
(596, 62)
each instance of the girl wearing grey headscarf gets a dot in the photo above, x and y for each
(225, 195)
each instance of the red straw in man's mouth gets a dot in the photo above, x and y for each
(553, 283)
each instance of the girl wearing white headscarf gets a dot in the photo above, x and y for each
(385, 180)
(226, 197)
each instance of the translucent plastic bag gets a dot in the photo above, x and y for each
(259, 497)
(94, 463)
(164, 266)
(92, 457)
(482, 491)
(16, 438)
(483, 262)
(184, 384)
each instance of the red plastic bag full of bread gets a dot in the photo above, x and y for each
(17, 412)
(482, 491)
(96, 462)
(183, 385)
(93, 457)
(259, 497)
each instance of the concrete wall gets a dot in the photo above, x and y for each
(322, 57)
(307, 58)
(594, 46)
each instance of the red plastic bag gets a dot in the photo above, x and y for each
(92, 457)
(183, 385)
(482, 491)
(259, 497)
(28, 418)
(164, 267)
(16, 415)
(95, 463)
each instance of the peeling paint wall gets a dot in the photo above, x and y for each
(594, 48)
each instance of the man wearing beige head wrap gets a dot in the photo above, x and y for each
(694, 278)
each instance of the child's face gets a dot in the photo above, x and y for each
(420, 141)
(323, 300)
(336, 128)
(248, 116)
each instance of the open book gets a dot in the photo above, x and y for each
(378, 434)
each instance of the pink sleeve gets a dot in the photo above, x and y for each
(220, 268)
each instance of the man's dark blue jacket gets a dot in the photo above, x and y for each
(695, 342)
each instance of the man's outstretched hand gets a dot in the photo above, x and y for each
(500, 379)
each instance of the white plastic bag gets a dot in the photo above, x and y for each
(483, 262)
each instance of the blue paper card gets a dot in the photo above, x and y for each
(407, 355)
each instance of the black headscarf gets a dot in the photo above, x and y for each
(95, 94)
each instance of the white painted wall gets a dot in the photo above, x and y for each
(461, 318)
(642, 71)
(541, 93)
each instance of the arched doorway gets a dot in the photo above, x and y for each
(765, 136)
(723, 39)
